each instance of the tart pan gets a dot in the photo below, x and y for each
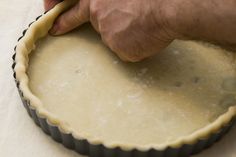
(87, 147)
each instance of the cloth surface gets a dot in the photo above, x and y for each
(19, 136)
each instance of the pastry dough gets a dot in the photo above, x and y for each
(180, 95)
(156, 101)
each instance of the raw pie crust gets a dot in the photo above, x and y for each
(181, 95)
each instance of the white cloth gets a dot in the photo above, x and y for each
(19, 136)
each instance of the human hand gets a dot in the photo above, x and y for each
(133, 29)
(138, 29)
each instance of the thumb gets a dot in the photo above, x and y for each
(72, 18)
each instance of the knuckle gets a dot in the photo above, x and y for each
(125, 46)
(125, 52)
(94, 11)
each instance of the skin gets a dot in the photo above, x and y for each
(137, 29)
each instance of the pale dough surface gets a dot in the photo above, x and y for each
(162, 99)
(19, 136)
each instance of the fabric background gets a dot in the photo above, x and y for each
(19, 136)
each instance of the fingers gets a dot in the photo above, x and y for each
(49, 4)
(72, 18)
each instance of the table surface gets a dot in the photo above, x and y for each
(19, 136)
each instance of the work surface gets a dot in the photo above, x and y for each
(19, 136)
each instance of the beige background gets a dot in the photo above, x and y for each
(19, 136)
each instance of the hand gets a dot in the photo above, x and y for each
(133, 29)
(137, 29)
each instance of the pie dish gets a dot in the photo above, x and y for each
(172, 105)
